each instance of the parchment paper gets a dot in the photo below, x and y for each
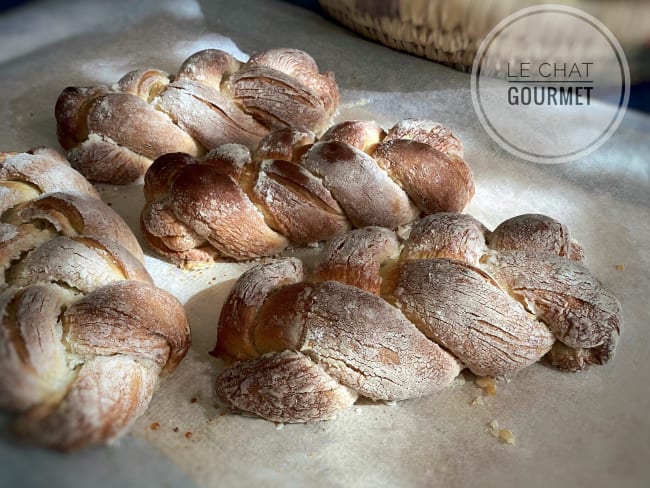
(586, 429)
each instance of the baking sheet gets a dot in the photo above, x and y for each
(590, 428)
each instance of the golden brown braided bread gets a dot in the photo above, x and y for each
(84, 333)
(392, 320)
(232, 203)
(113, 134)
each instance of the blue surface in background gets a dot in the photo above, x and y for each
(6, 4)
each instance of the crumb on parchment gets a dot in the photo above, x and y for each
(487, 384)
(507, 436)
(477, 401)
(504, 435)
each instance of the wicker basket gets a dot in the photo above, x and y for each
(451, 31)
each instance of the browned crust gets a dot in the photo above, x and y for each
(357, 337)
(71, 112)
(577, 252)
(161, 228)
(361, 134)
(285, 387)
(355, 258)
(98, 406)
(216, 208)
(287, 144)
(74, 214)
(239, 312)
(230, 159)
(365, 192)
(144, 83)
(159, 222)
(159, 176)
(446, 235)
(426, 131)
(210, 66)
(85, 334)
(457, 306)
(194, 257)
(301, 66)
(15, 240)
(535, 232)
(575, 359)
(81, 263)
(319, 92)
(212, 100)
(280, 323)
(46, 170)
(580, 311)
(208, 116)
(129, 318)
(302, 208)
(435, 182)
(129, 121)
(255, 89)
(104, 161)
(32, 359)
(313, 192)
(118, 257)
(496, 311)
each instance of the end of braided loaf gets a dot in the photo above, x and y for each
(392, 319)
(113, 134)
(292, 189)
(84, 333)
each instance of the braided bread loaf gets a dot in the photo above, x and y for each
(291, 189)
(113, 134)
(84, 333)
(392, 321)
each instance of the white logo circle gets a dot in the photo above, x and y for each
(537, 79)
